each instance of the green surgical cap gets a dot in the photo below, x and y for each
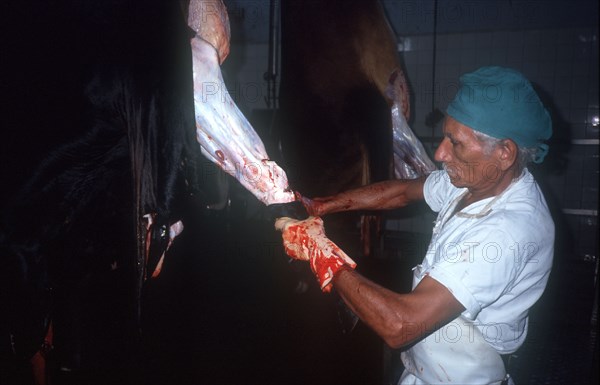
(501, 103)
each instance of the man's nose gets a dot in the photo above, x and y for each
(442, 154)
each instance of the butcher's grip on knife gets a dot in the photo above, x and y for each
(385, 195)
(305, 240)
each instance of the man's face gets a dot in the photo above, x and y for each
(465, 159)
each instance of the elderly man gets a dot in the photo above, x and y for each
(492, 246)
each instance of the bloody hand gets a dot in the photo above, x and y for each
(306, 240)
(314, 207)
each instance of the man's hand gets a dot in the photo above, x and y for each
(314, 207)
(306, 240)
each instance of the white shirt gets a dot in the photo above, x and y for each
(494, 256)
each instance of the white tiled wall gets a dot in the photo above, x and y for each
(564, 63)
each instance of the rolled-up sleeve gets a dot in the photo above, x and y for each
(436, 189)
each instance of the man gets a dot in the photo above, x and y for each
(492, 246)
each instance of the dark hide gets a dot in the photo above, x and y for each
(335, 125)
(101, 132)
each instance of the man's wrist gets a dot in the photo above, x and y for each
(341, 271)
(326, 280)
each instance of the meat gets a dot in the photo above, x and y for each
(174, 230)
(225, 135)
(306, 240)
(410, 159)
(336, 112)
(209, 19)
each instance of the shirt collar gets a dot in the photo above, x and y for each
(487, 208)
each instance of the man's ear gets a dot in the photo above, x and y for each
(507, 153)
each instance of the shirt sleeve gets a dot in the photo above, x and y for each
(477, 269)
(436, 189)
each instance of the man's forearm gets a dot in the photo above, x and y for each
(399, 319)
(384, 195)
(374, 305)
